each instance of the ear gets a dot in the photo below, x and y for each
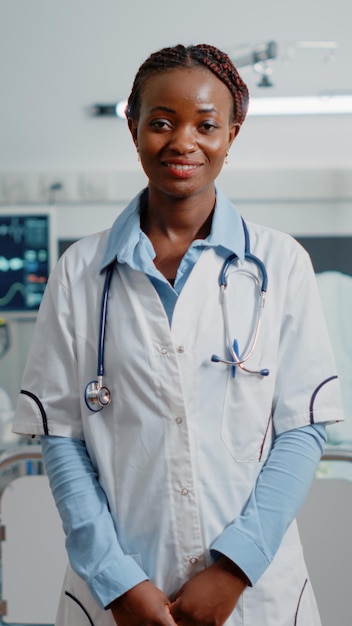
(133, 127)
(234, 130)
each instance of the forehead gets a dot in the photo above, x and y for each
(185, 85)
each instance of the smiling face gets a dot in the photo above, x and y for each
(184, 129)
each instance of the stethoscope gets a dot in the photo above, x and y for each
(97, 396)
(233, 345)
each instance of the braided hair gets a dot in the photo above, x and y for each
(204, 55)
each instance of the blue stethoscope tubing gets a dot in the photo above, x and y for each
(97, 396)
(249, 257)
(233, 345)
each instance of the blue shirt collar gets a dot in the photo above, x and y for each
(126, 236)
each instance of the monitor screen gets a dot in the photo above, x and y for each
(26, 257)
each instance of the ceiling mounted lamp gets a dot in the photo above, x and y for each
(256, 57)
(252, 55)
(291, 48)
(260, 58)
(266, 106)
(304, 105)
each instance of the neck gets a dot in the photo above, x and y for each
(187, 218)
(172, 224)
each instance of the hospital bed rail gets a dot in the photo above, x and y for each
(32, 540)
(20, 453)
(325, 530)
(333, 453)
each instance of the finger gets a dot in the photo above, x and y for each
(171, 619)
(176, 594)
(174, 609)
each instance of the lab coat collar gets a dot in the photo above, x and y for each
(125, 234)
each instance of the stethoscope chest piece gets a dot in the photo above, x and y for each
(97, 396)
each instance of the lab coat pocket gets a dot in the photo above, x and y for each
(246, 427)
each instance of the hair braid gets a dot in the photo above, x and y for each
(212, 58)
(221, 65)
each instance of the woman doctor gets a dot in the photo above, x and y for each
(179, 471)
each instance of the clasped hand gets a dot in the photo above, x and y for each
(207, 599)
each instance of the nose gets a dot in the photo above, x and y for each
(183, 140)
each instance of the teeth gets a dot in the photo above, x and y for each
(181, 167)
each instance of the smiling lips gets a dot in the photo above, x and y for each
(182, 170)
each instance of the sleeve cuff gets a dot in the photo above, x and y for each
(107, 585)
(240, 549)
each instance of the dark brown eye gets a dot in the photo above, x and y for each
(209, 126)
(160, 124)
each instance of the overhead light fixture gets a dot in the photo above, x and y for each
(115, 109)
(256, 56)
(260, 53)
(259, 58)
(304, 105)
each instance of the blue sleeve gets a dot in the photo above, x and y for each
(91, 540)
(253, 538)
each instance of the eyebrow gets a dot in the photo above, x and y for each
(162, 108)
(205, 109)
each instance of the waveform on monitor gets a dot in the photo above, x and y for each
(9, 296)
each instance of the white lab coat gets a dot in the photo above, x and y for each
(180, 447)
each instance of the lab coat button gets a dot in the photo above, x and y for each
(184, 491)
(178, 420)
(180, 349)
(193, 560)
(164, 350)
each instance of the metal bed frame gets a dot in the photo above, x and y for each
(33, 556)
